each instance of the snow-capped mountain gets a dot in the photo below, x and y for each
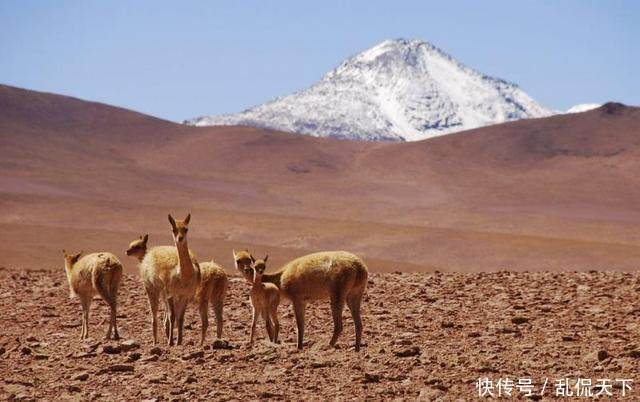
(583, 107)
(398, 90)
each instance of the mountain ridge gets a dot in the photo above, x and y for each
(397, 90)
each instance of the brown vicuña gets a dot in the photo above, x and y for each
(211, 290)
(265, 298)
(174, 276)
(339, 276)
(99, 273)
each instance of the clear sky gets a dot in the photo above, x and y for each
(182, 59)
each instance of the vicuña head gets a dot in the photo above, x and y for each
(138, 247)
(242, 261)
(179, 228)
(259, 266)
(70, 259)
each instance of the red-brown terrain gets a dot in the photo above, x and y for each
(559, 193)
(438, 222)
(427, 336)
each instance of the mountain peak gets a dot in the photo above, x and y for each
(400, 89)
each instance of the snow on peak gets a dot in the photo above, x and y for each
(583, 107)
(403, 89)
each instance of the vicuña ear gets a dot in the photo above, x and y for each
(187, 219)
(233, 250)
(77, 256)
(172, 222)
(252, 259)
(266, 257)
(64, 252)
(145, 238)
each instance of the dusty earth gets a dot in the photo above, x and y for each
(428, 336)
(559, 193)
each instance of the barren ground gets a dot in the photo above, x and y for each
(427, 335)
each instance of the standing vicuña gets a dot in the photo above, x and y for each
(338, 276)
(212, 288)
(94, 273)
(265, 298)
(173, 275)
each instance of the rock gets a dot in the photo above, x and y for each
(155, 351)
(519, 320)
(267, 394)
(429, 394)
(25, 350)
(40, 356)
(635, 354)
(2, 350)
(117, 368)
(129, 345)
(135, 356)
(81, 377)
(602, 354)
(83, 355)
(221, 344)
(474, 334)
(412, 351)
(568, 338)
(111, 350)
(73, 388)
(446, 324)
(190, 379)
(157, 378)
(369, 378)
(193, 355)
(32, 339)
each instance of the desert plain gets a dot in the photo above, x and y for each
(509, 251)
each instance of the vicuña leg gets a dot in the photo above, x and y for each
(204, 319)
(337, 305)
(353, 302)
(298, 309)
(218, 305)
(152, 296)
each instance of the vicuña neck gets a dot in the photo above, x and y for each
(272, 278)
(184, 260)
(257, 282)
(67, 268)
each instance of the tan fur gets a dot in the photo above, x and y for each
(99, 273)
(174, 274)
(242, 261)
(211, 290)
(264, 298)
(337, 276)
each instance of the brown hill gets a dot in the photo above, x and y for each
(555, 193)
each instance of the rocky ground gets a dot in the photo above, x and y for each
(428, 336)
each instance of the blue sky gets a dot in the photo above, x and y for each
(183, 59)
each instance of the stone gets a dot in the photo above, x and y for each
(117, 368)
(602, 354)
(408, 352)
(111, 350)
(193, 355)
(129, 345)
(221, 344)
(371, 377)
(519, 320)
(81, 377)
